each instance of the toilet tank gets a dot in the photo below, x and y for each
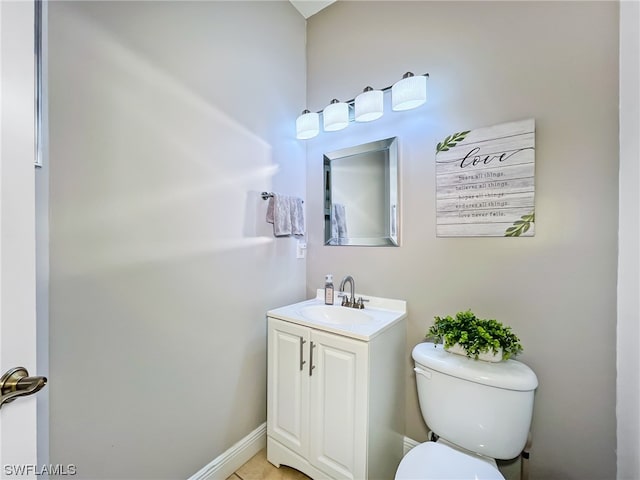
(480, 406)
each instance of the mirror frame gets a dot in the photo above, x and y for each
(392, 204)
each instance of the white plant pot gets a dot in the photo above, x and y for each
(484, 356)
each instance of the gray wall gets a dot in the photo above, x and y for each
(628, 360)
(490, 63)
(166, 120)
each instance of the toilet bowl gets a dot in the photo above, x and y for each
(480, 411)
(439, 461)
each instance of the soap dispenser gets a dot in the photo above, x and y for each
(328, 289)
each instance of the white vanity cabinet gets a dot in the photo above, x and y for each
(335, 406)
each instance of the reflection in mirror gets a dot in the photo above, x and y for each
(361, 195)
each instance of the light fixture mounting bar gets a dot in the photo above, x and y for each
(406, 94)
(352, 101)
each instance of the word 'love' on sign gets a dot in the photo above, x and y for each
(485, 182)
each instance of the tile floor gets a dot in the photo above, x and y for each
(259, 468)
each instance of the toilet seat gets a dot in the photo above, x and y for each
(437, 461)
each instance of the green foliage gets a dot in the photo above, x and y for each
(475, 335)
(520, 226)
(451, 141)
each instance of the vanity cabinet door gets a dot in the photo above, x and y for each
(338, 405)
(288, 385)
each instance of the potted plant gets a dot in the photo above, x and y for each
(476, 338)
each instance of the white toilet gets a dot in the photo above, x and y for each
(479, 410)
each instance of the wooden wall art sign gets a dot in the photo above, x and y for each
(485, 182)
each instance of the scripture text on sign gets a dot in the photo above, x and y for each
(485, 182)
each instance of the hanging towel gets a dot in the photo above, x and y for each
(334, 225)
(297, 216)
(338, 222)
(394, 215)
(279, 213)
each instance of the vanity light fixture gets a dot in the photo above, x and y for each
(407, 93)
(369, 105)
(307, 125)
(335, 116)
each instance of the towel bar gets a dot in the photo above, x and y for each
(266, 195)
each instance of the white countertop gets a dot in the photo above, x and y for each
(384, 313)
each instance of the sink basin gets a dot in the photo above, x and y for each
(335, 315)
(379, 314)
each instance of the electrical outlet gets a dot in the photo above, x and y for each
(301, 249)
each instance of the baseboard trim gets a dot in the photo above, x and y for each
(229, 461)
(408, 444)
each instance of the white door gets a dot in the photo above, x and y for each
(17, 231)
(288, 385)
(338, 406)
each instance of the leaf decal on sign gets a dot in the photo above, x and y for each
(520, 226)
(451, 141)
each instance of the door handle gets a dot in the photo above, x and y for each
(311, 365)
(17, 383)
(302, 361)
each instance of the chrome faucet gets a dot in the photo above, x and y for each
(346, 301)
(350, 301)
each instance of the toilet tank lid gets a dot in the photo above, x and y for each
(508, 374)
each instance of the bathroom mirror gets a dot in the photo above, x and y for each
(361, 195)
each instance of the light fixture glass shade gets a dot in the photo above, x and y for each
(408, 93)
(369, 105)
(307, 125)
(335, 116)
